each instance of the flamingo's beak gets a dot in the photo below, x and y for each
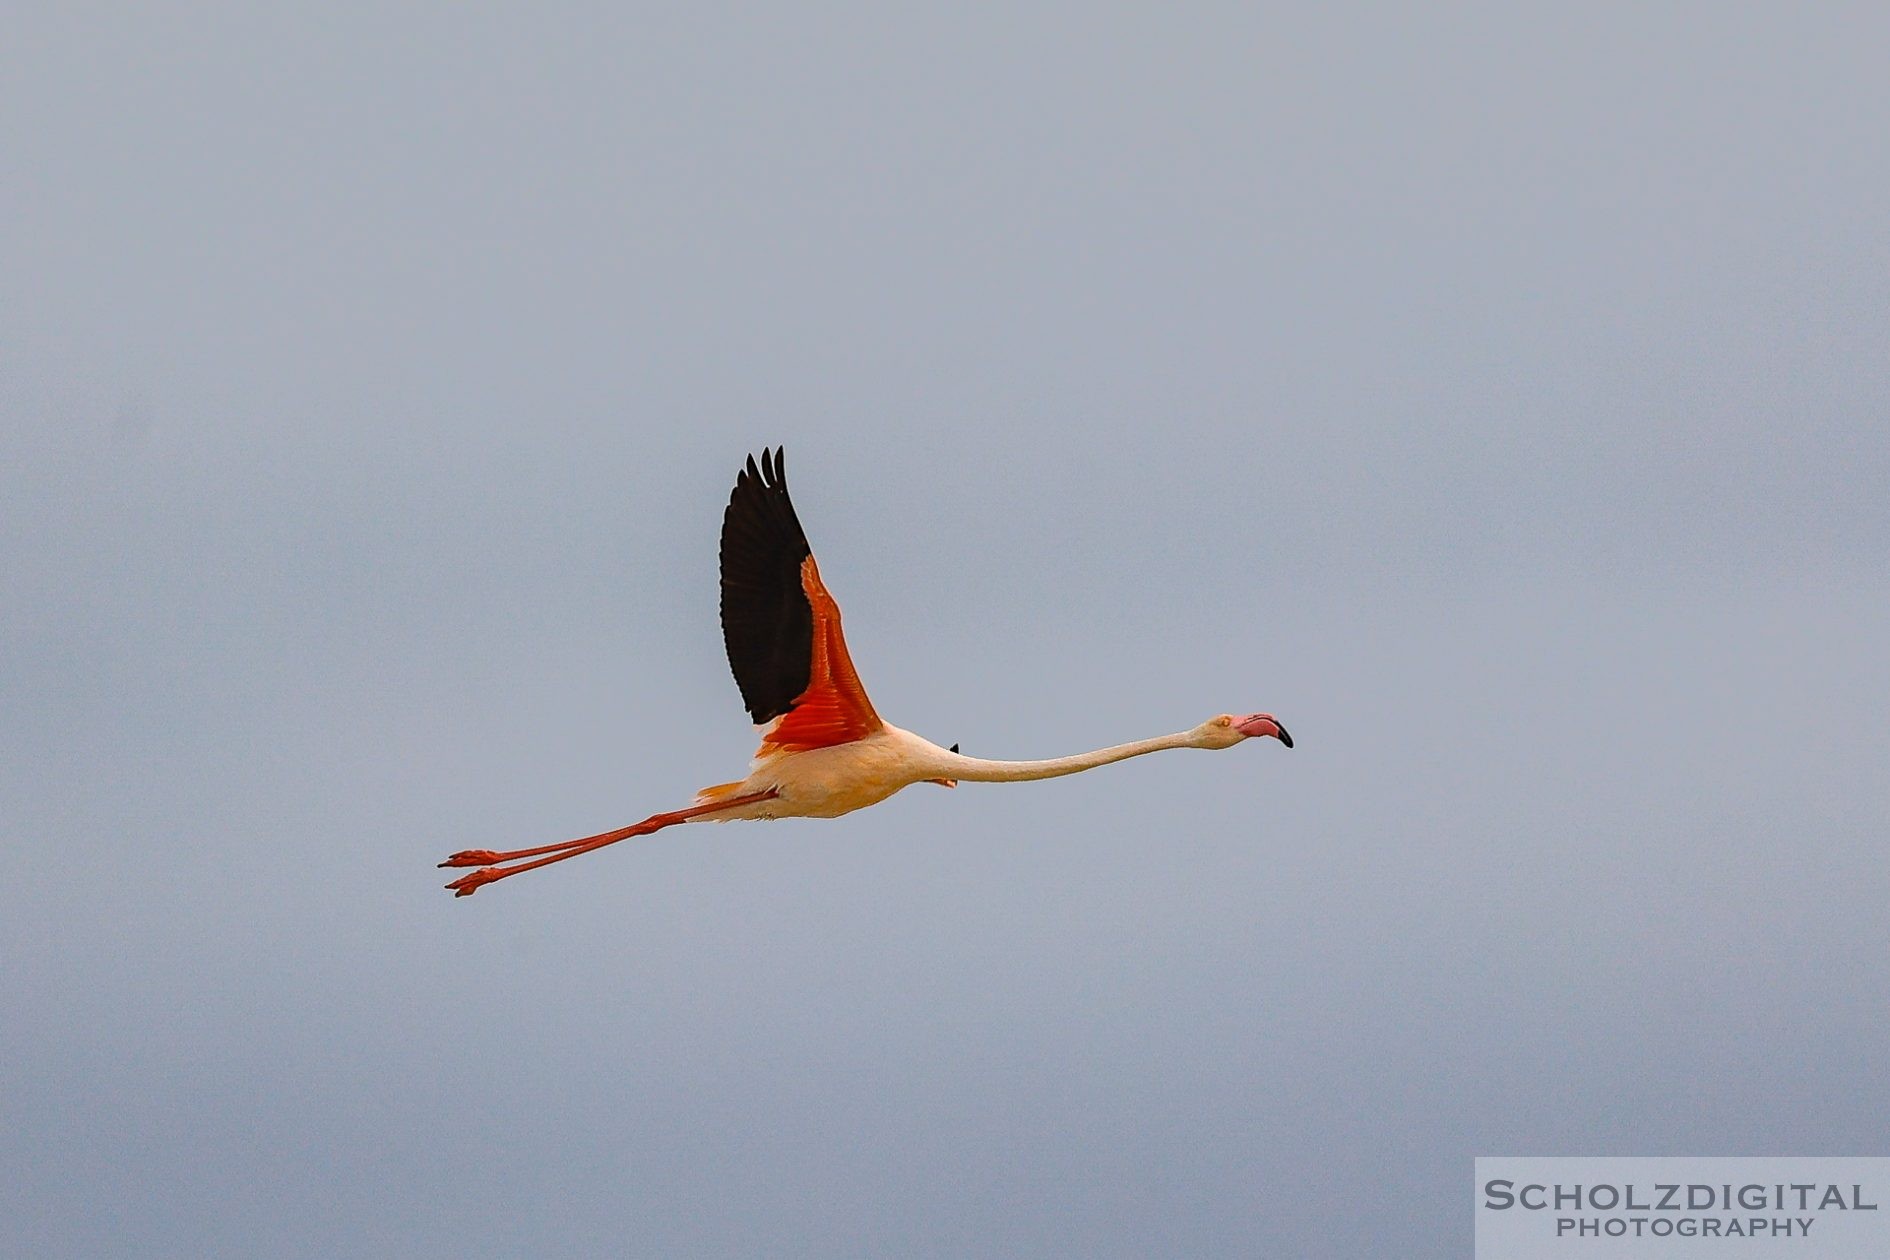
(1263, 724)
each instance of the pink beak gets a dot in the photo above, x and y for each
(1263, 724)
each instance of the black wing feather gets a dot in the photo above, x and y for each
(767, 623)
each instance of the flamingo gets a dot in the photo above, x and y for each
(824, 750)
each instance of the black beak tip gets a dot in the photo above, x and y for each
(1284, 737)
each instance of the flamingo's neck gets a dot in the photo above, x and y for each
(978, 770)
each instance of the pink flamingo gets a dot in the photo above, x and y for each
(824, 750)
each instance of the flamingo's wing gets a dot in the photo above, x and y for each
(781, 627)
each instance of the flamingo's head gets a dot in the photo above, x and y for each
(1229, 729)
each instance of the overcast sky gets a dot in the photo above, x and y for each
(1498, 396)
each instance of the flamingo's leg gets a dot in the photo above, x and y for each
(467, 885)
(486, 857)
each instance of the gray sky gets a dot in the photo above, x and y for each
(1498, 397)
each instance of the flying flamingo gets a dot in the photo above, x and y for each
(824, 751)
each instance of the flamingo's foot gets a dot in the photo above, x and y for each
(467, 885)
(472, 857)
